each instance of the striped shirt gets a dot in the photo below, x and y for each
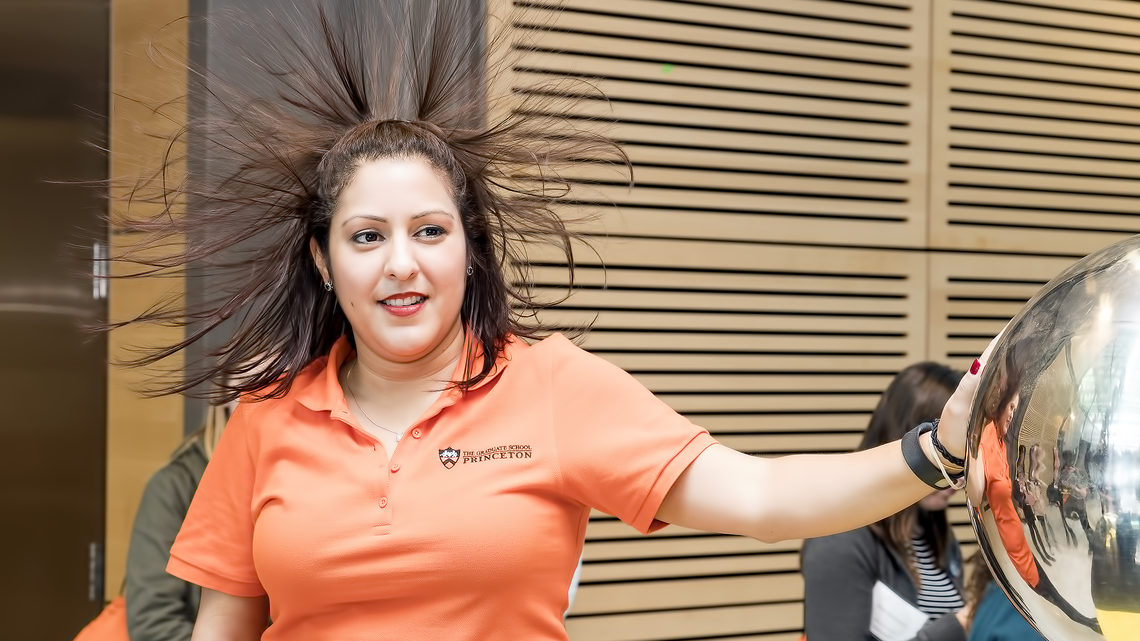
(937, 594)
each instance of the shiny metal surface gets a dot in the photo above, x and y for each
(1053, 472)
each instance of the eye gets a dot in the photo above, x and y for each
(431, 231)
(367, 236)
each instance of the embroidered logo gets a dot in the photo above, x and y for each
(498, 452)
(449, 457)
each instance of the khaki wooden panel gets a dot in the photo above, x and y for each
(148, 56)
(1034, 126)
(786, 117)
(741, 621)
(765, 140)
(972, 296)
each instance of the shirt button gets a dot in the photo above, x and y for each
(417, 432)
(395, 467)
(383, 501)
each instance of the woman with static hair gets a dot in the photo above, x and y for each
(912, 553)
(417, 457)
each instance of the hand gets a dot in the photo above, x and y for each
(955, 419)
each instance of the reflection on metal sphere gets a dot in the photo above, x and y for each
(1053, 472)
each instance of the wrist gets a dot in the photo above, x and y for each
(956, 458)
(926, 440)
(921, 457)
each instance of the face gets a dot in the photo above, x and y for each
(1007, 413)
(398, 259)
(936, 501)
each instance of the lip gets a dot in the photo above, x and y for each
(403, 310)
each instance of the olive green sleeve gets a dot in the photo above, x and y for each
(160, 607)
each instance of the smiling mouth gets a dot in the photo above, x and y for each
(407, 301)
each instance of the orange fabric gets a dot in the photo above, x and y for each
(999, 491)
(109, 625)
(471, 530)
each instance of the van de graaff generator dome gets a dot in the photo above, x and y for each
(1053, 471)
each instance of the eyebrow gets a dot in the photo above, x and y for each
(382, 219)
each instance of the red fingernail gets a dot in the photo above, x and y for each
(977, 365)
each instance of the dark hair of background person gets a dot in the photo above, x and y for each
(354, 81)
(916, 395)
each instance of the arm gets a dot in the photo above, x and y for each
(802, 496)
(222, 617)
(158, 604)
(809, 495)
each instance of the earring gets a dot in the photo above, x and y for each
(328, 286)
(470, 270)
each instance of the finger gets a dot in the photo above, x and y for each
(985, 357)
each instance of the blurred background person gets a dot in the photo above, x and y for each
(991, 615)
(162, 607)
(913, 553)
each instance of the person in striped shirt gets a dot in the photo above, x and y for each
(912, 554)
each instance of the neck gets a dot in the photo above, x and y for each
(375, 377)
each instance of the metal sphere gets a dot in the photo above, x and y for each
(1053, 454)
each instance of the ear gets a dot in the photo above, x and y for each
(319, 259)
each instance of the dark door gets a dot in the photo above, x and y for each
(53, 106)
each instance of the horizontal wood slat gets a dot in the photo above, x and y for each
(1034, 126)
(973, 295)
(834, 102)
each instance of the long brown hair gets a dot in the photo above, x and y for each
(916, 395)
(351, 81)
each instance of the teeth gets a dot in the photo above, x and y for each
(403, 302)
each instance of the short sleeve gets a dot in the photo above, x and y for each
(620, 448)
(214, 548)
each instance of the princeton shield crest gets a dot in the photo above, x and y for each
(449, 457)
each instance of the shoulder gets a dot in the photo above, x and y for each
(173, 484)
(567, 359)
(189, 458)
(554, 346)
(554, 356)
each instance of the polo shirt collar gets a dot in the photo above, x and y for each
(322, 391)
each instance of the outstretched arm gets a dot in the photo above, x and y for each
(808, 495)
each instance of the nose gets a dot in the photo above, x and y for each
(401, 261)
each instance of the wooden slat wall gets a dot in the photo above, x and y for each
(749, 122)
(824, 192)
(1035, 125)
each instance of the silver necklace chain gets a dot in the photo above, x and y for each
(348, 388)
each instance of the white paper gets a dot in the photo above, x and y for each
(892, 618)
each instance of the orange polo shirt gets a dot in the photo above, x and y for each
(471, 529)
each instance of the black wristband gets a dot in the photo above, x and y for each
(945, 453)
(917, 461)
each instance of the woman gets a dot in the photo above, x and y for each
(405, 465)
(161, 607)
(912, 553)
